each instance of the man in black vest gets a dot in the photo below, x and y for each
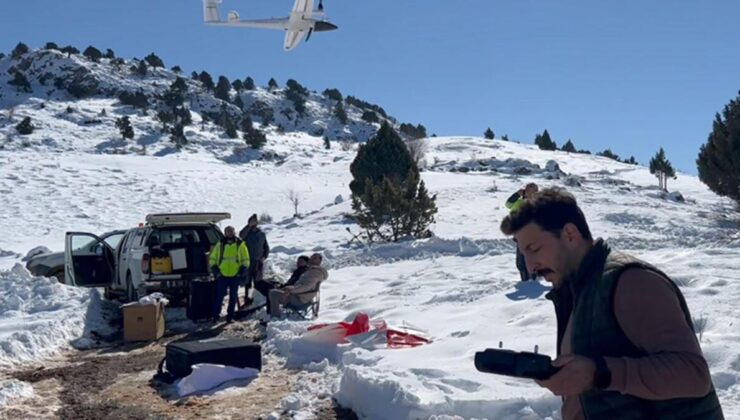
(259, 249)
(626, 345)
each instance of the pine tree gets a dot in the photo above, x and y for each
(569, 147)
(340, 114)
(254, 138)
(631, 161)
(264, 111)
(20, 82)
(93, 54)
(239, 102)
(206, 79)
(25, 127)
(327, 143)
(544, 142)
(662, 169)
(125, 128)
(387, 197)
(489, 134)
(19, 50)
(719, 158)
(51, 46)
(177, 136)
(176, 69)
(608, 154)
(272, 85)
(69, 50)
(222, 89)
(109, 54)
(505, 137)
(370, 116)
(141, 69)
(154, 61)
(334, 94)
(237, 85)
(249, 83)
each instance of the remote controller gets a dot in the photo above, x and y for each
(511, 363)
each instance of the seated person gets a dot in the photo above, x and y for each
(304, 289)
(264, 286)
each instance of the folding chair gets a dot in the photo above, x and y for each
(306, 311)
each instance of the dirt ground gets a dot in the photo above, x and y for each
(117, 382)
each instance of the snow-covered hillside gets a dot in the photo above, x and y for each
(73, 103)
(460, 285)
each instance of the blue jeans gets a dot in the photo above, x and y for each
(222, 283)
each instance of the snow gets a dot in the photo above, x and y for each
(39, 317)
(460, 285)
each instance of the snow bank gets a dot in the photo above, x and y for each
(39, 316)
(12, 389)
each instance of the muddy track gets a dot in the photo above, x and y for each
(118, 382)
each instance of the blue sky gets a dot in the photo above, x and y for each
(631, 76)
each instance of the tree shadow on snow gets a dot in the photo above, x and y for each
(532, 289)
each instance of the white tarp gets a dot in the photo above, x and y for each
(206, 377)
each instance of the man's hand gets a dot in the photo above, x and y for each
(576, 375)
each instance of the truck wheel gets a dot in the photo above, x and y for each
(58, 275)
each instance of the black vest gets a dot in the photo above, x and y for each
(589, 297)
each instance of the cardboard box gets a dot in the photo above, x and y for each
(161, 265)
(143, 322)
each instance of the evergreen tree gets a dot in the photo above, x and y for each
(177, 136)
(388, 198)
(154, 61)
(417, 132)
(662, 169)
(264, 111)
(125, 128)
(222, 89)
(505, 137)
(51, 46)
(206, 79)
(608, 154)
(569, 147)
(719, 158)
(489, 134)
(246, 124)
(631, 161)
(370, 116)
(249, 83)
(544, 142)
(297, 94)
(25, 127)
(239, 102)
(272, 85)
(340, 114)
(69, 50)
(254, 138)
(237, 85)
(194, 75)
(93, 54)
(141, 69)
(176, 69)
(109, 54)
(137, 100)
(334, 94)
(327, 143)
(20, 82)
(19, 50)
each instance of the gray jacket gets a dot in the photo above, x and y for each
(307, 285)
(256, 243)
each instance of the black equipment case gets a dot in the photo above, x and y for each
(181, 356)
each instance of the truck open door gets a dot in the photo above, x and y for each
(88, 260)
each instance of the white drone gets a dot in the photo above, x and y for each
(302, 22)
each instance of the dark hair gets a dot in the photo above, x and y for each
(551, 209)
(252, 217)
(303, 258)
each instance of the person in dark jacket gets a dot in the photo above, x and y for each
(626, 344)
(259, 249)
(513, 204)
(264, 286)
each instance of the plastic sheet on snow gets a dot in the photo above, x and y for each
(207, 377)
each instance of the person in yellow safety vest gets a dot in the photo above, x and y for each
(513, 203)
(229, 262)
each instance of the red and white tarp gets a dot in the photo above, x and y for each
(367, 333)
